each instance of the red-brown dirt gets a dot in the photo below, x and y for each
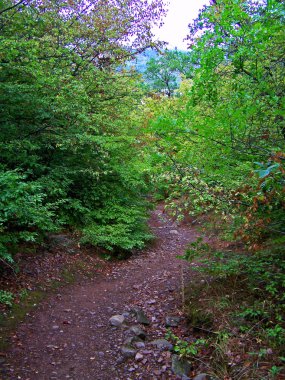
(69, 335)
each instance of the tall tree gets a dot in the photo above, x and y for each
(163, 73)
(67, 145)
(229, 120)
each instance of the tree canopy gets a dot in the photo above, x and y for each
(227, 122)
(85, 141)
(68, 150)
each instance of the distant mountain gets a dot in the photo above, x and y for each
(140, 61)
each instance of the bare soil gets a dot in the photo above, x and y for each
(69, 335)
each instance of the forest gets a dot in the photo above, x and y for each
(90, 144)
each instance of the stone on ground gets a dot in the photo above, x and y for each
(139, 357)
(128, 352)
(171, 321)
(141, 317)
(136, 331)
(117, 320)
(180, 366)
(162, 344)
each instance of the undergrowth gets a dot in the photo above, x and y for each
(236, 303)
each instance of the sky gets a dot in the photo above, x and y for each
(180, 14)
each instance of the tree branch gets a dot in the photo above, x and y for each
(12, 6)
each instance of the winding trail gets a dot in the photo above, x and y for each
(69, 335)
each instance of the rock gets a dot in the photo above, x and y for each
(180, 367)
(202, 376)
(139, 345)
(174, 232)
(164, 368)
(64, 241)
(129, 341)
(162, 344)
(141, 317)
(136, 331)
(128, 352)
(172, 321)
(117, 320)
(121, 360)
(134, 341)
(139, 357)
(147, 352)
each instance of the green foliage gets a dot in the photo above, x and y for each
(6, 298)
(274, 371)
(160, 76)
(195, 249)
(163, 73)
(67, 142)
(219, 145)
(263, 282)
(23, 212)
(118, 228)
(264, 269)
(218, 148)
(183, 348)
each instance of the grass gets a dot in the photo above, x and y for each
(236, 301)
(16, 314)
(213, 312)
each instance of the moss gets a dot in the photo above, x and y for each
(29, 300)
(16, 314)
(68, 276)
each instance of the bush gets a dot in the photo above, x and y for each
(23, 212)
(6, 298)
(118, 228)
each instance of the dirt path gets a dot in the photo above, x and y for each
(69, 335)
